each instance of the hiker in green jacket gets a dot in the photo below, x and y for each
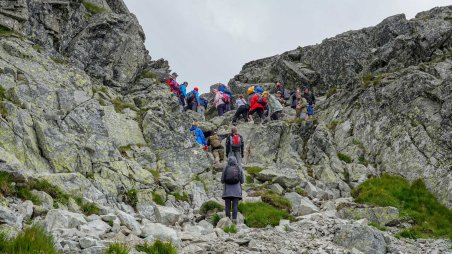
(274, 106)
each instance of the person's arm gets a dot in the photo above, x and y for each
(242, 175)
(197, 99)
(227, 145)
(242, 146)
(222, 174)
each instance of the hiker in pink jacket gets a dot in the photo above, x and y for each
(218, 101)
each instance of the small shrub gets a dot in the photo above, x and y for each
(331, 92)
(181, 197)
(89, 208)
(215, 219)
(232, 229)
(30, 241)
(253, 171)
(377, 226)
(92, 8)
(132, 197)
(117, 248)
(120, 105)
(55, 192)
(6, 32)
(344, 157)
(332, 125)
(155, 173)
(158, 247)
(260, 214)
(249, 179)
(274, 199)
(414, 201)
(21, 191)
(211, 206)
(25, 194)
(300, 191)
(157, 198)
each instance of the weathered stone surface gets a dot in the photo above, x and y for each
(129, 221)
(153, 231)
(62, 219)
(167, 215)
(300, 205)
(378, 215)
(362, 238)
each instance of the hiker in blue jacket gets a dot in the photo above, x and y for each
(199, 135)
(183, 95)
(193, 100)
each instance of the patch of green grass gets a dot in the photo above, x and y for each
(132, 197)
(55, 192)
(260, 214)
(181, 196)
(120, 105)
(332, 125)
(25, 194)
(117, 248)
(249, 180)
(155, 173)
(92, 8)
(211, 206)
(344, 157)
(363, 160)
(148, 74)
(232, 229)
(6, 32)
(300, 191)
(22, 191)
(158, 247)
(215, 219)
(332, 91)
(89, 208)
(274, 199)
(124, 149)
(159, 200)
(37, 47)
(369, 79)
(253, 171)
(377, 226)
(198, 178)
(33, 240)
(59, 60)
(414, 201)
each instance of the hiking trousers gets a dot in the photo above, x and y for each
(260, 113)
(242, 111)
(218, 154)
(221, 109)
(231, 202)
(237, 155)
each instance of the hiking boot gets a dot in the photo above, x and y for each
(234, 221)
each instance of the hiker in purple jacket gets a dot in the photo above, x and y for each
(232, 192)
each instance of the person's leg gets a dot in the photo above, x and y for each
(216, 155)
(221, 154)
(227, 207)
(238, 156)
(223, 107)
(236, 115)
(235, 209)
(194, 106)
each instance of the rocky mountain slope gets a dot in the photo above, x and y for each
(83, 111)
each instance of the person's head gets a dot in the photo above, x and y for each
(174, 75)
(278, 94)
(232, 161)
(185, 83)
(195, 124)
(240, 96)
(196, 89)
(279, 84)
(215, 91)
(234, 130)
(265, 94)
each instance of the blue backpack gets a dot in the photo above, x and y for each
(190, 96)
(258, 89)
(204, 102)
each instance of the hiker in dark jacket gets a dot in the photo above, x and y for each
(310, 98)
(232, 193)
(235, 145)
(242, 110)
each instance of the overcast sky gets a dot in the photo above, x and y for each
(208, 41)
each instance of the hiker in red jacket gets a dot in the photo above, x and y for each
(174, 86)
(257, 105)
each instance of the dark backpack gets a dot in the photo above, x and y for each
(232, 175)
(190, 97)
(261, 100)
(204, 102)
(236, 142)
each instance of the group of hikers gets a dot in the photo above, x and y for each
(262, 103)
(258, 102)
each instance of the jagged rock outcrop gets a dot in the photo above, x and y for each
(82, 107)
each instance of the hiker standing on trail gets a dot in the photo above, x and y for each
(214, 141)
(193, 99)
(233, 178)
(242, 110)
(199, 135)
(235, 145)
(183, 95)
(274, 106)
(310, 98)
(257, 104)
(174, 86)
(227, 97)
(296, 96)
(218, 101)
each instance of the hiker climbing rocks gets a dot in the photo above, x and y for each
(193, 100)
(203, 102)
(242, 110)
(274, 106)
(235, 145)
(218, 101)
(257, 104)
(280, 98)
(214, 141)
(174, 86)
(199, 135)
(285, 94)
(233, 178)
(310, 98)
(302, 109)
(183, 95)
(227, 97)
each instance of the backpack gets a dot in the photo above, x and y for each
(236, 142)
(204, 102)
(232, 175)
(215, 142)
(190, 96)
(226, 98)
(261, 100)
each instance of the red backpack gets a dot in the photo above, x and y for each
(236, 142)
(226, 98)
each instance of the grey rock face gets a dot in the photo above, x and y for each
(362, 238)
